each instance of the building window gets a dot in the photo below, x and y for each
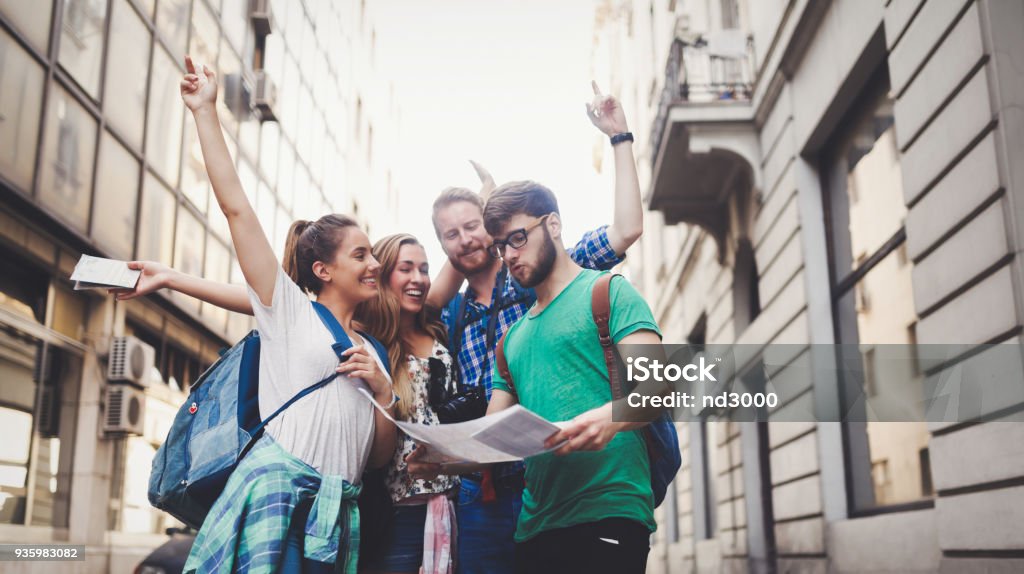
(163, 136)
(117, 194)
(21, 96)
(172, 17)
(37, 413)
(31, 19)
(81, 42)
(124, 94)
(156, 222)
(873, 301)
(65, 184)
(730, 14)
(746, 297)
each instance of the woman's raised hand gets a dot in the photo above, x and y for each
(198, 90)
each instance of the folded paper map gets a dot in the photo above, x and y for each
(513, 434)
(98, 273)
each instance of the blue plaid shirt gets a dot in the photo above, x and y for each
(476, 361)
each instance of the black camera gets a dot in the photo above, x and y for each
(452, 404)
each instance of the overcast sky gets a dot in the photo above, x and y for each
(504, 83)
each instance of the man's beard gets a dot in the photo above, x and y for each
(545, 263)
(467, 270)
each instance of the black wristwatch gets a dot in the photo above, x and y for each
(623, 137)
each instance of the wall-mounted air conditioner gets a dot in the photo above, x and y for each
(261, 17)
(265, 97)
(125, 411)
(130, 361)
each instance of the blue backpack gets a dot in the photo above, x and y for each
(219, 423)
(660, 435)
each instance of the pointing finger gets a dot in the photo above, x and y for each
(597, 90)
(189, 66)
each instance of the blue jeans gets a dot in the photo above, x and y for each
(486, 529)
(293, 559)
(403, 551)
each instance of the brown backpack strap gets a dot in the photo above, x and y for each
(600, 305)
(503, 363)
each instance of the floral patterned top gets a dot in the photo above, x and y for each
(400, 484)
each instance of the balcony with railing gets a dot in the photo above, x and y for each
(703, 139)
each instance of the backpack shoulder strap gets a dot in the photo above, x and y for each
(503, 363)
(600, 305)
(382, 352)
(342, 342)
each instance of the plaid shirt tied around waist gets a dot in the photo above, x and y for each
(247, 527)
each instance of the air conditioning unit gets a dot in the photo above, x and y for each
(130, 361)
(126, 411)
(265, 97)
(238, 96)
(261, 17)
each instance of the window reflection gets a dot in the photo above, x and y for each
(877, 310)
(65, 183)
(124, 94)
(195, 184)
(189, 247)
(31, 19)
(163, 136)
(81, 42)
(117, 193)
(172, 21)
(21, 96)
(270, 133)
(156, 222)
(218, 261)
(39, 380)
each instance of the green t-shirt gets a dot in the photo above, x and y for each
(558, 370)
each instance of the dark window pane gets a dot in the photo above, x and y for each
(21, 96)
(156, 222)
(163, 136)
(172, 22)
(31, 19)
(65, 183)
(124, 94)
(117, 193)
(81, 42)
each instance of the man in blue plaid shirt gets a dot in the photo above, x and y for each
(487, 513)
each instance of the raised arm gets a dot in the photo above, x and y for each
(255, 256)
(628, 222)
(156, 276)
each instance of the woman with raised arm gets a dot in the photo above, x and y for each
(290, 505)
(420, 520)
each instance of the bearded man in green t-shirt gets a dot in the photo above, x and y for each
(588, 506)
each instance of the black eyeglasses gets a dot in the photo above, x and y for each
(516, 239)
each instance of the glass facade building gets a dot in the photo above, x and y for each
(98, 155)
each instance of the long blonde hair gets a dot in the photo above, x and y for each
(381, 316)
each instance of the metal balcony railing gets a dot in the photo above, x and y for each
(716, 68)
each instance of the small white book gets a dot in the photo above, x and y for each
(99, 273)
(513, 434)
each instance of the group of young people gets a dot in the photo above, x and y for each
(292, 503)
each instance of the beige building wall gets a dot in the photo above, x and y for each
(955, 83)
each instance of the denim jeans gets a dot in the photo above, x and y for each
(485, 529)
(293, 559)
(403, 551)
